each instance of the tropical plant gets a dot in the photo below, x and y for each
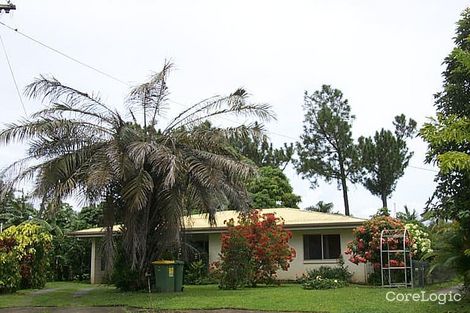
(253, 250)
(385, 157)
(10, 277)
(408, 216)
(271, 189)
(451, 250)
(15, 209)
(323, 207)
(143, 168)
(326, 148)
(70, 258)
(448, 136)
(31, 247)
(90, 216)
(196, 273)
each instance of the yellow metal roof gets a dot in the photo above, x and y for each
(93, 232)
(293, 219)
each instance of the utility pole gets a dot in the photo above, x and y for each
(7, 7)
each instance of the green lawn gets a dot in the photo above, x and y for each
(284, 298)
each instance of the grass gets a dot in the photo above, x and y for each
(350, 299)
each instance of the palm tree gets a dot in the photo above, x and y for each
(147, 169)
(323, 207)
(408, 216)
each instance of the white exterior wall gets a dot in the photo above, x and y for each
(299, 265)
(214, 247)
(96, 273)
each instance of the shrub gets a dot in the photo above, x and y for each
(31, 248)
(196, 273)
(235, 269)
(123, 277)
(421, 245)
(375, 278)
(323, 283)
(253, 251)
(340, 272)
(366, 246)
(10, 277)
(452, 251)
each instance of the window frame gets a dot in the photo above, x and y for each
(322, 247)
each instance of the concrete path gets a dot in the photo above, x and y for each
(453, 289)
(82, 292)
(43, 291)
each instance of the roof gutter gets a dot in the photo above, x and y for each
(216, 230)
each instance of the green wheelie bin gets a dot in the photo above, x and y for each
(179, 265)
(168, 276)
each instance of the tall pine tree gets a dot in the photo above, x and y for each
(385, 156)
(326, 148)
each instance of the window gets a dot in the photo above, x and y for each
(320, 247)
(331, 246)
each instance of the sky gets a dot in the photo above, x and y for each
(386, 57)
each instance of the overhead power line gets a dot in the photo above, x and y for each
(12, 75)
(424, 169)
(129, 85)
(65, 55)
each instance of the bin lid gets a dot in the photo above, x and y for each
(167, 262)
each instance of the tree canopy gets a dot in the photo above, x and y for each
(271, 189)
(15, 209)
(323, 207)
(448, 134)
(142, 167)
(385, 156)
(258, 149)
(448, 138)
(326, 148)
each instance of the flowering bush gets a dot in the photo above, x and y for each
(421, 242)
(323, 283)
(366, 247)
(253, 251)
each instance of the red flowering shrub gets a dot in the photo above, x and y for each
(366, 247)
(253, 251)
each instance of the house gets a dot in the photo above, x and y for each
(318, 238)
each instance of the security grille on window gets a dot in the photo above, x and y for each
(320, 247)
